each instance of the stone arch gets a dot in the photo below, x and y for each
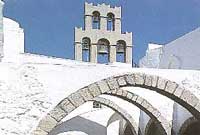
(145, 106)
(113, 106)
(163, 86)
(113, 118)
(119, 110)
(122, 126)
(190, 121)
(153, 124)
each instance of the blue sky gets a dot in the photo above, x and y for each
(49, 24)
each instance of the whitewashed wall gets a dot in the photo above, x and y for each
(182, 53)
(152, 57)
(13, 40)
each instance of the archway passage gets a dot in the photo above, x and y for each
(193, 129)
(145, 106)
(132, 124)
(153, 128)
(163, 86)
(128, 130)
(190, 127)
(113, 118)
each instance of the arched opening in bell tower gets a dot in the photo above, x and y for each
(103, 51)
(96, 20)
(86, 43)
(121, 51)
(110, 22)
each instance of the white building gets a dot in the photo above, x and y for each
(152, 57)
(182, 53)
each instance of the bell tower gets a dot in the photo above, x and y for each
(101, 39)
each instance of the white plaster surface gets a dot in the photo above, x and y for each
(113, 128)
(100, 116)
(31, 88)
(90, 122)
(13, 40)
(183, 53)
(85, 108)
(152, 56)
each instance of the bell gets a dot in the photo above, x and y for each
(85, 46)
(110, 19)
(120, 48)
(102, 49)
(95, 19)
